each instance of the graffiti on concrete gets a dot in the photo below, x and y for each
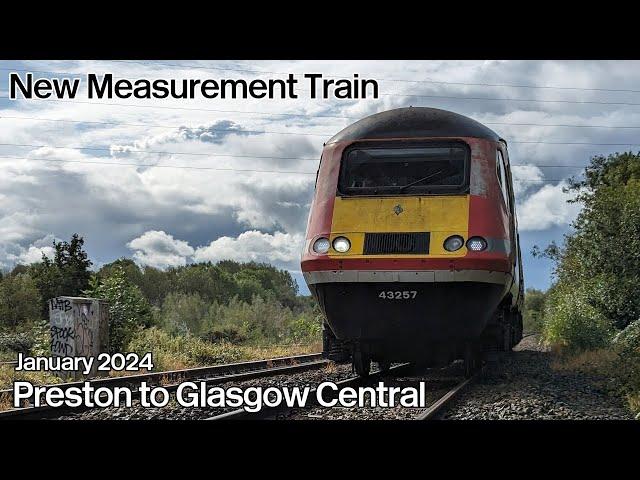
(79, 327)
(60, 304)
(62, 341)
(62, 327)
(84, 332)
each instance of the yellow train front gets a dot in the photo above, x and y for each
(412, 248)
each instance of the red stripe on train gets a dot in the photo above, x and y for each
(499, 263)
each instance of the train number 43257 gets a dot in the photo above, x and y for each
(398, 294)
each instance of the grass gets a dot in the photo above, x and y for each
(6, 356)
(600, 361)
(8, 376)
(633, 399)
(214, 354)
(620, 372)
(5, 402)
(171, 360)
(179, 352)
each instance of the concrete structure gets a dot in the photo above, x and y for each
(79, 327)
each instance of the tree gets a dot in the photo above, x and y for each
(263, 279)
(129, 311)
(73, 262)
(156, 284)
(132, 271)
(604, 253)
(20, 301)
(67, 274)
(209, 281)
(18, 269)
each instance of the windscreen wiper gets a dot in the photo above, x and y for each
(401, 189)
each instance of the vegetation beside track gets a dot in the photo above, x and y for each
(193, 315)
(591, 314)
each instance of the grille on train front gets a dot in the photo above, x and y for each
(396, 243)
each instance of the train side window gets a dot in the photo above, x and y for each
(502, 178)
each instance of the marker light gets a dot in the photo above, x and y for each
(341, 244)
(476, 244)
(453, 243)
(321, 245)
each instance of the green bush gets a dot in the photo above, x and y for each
(627, 367)
(15, 342)
(573, 323)
(182, 313)
(228, 334)
(175, 352)
(33, 338)
(305, 329)
(533, 314)
(41, 335)
(627, 341)
(261, 321)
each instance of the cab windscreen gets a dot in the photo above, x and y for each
(404, 170)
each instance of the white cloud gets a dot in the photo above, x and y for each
(525, 177)
(162, 250)
(215, 133)
(34, 254)
(12, 254)
(547, 208)
(159, 249)
(282, 249)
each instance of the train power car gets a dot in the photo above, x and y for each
(412, 247)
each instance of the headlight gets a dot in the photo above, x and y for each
(341, 244)
(321, 245)
(453, 243)
(476, 244)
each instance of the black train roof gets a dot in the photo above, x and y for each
(414, 122)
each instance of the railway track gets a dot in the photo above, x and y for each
(444, 396)
(439, 406)
(278, 412)
(170, 380)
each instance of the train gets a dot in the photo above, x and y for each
(412, 248)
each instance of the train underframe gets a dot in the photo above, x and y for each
(431, 324)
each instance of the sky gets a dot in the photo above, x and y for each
(106, 168)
